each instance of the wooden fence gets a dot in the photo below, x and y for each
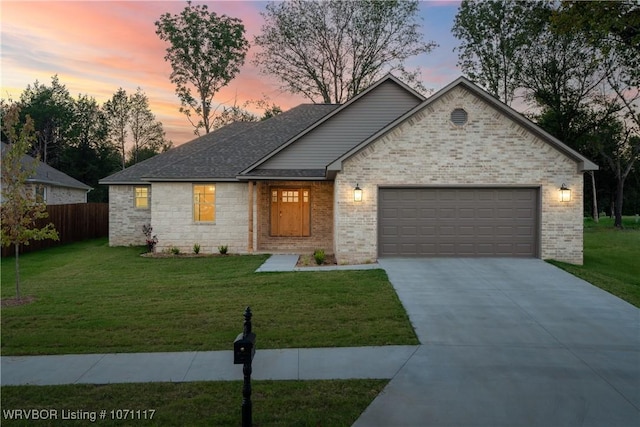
(74, 222)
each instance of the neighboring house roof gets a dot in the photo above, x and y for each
(221, 155)
(584, 164)
(47, 175)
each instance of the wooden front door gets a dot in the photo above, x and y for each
(290, 212)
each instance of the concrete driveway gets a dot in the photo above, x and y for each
(510, 342)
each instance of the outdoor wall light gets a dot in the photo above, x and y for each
(565, 194)
(357, 194)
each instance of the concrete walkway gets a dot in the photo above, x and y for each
(287, 364)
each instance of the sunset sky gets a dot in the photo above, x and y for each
(96, 47)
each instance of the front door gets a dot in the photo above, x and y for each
(290, 212)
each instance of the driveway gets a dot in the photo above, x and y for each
(510, 342)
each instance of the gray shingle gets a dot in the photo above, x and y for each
(224, 153)
(45, 174)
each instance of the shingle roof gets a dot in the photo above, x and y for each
(45, 174)
(224, 153)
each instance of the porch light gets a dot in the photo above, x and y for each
(357, 194)
(565, 194)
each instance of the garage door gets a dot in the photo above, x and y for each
(470, 222)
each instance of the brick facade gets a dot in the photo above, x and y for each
(57, 195)
(172, 218)
(125, 221)
(429, 150)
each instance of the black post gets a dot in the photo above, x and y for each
(246, 370)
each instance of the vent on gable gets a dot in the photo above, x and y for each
(459, 117)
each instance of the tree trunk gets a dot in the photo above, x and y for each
(595, 196)
(618, 204)
(17, 246)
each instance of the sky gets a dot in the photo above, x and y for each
(97, 47)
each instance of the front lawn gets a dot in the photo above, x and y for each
(275, 403)
(91, 298)
(611, 258)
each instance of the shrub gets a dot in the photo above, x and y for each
(152, 241)
(319, 256)
(174, 250)
(196, 248)
(223, 249)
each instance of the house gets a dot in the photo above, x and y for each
(389, 173)
(55, 187)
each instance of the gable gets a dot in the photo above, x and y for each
(354, 123)
(470, 95)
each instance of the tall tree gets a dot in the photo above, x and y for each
(331, 50)
(147, 133)
(495, 37)
(21, 206)
(206, 52)
(118, 113)
(51, 109)
(90, 155)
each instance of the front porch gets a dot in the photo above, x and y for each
(292, 217)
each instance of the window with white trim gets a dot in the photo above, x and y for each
(141, 197)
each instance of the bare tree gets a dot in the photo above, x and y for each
(331, 50)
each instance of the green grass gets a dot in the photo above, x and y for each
(611, 258)
(281, 403)
(91, 298)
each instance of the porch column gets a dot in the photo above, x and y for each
(250, 204)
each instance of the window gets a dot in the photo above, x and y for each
(141, 197)
(41, 193)
(204, 203)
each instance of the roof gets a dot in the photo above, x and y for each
(235, 151)
(45, 174)
(222, 154)
(584, 164)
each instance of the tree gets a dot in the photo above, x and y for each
(495, 37)
(146, 132)
(206, 52)
(51, 109)
(21, 207)
(89, 155)
(118, 111)
(237, 113)
(331, 50)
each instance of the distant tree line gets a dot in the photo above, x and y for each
(83, 139)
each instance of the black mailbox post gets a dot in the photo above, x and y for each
(244, 348)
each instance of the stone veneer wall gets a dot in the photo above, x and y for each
(125, 221)
(321, 198)
(428, 150)
(65, 195)
(172, 218)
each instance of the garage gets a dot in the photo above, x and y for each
(458, 222)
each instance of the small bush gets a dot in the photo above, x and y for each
(319, 256)
(196, 248)
(223, 249)
(174, 250)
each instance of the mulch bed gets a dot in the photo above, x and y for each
(309, 261)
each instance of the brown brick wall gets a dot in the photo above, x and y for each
(321, 199)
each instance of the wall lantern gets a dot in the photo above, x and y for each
(357, 194)
(565, 194)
